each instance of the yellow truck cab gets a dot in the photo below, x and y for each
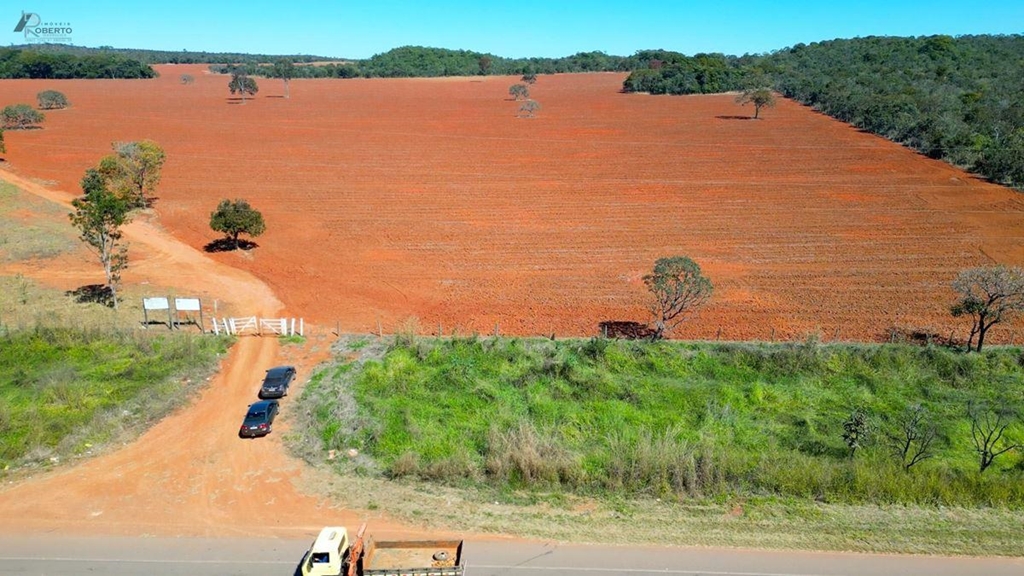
(327, 555)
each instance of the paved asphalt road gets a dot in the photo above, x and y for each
(56, 555)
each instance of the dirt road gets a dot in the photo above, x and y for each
(190, 475)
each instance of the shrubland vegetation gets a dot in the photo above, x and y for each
(847, 424)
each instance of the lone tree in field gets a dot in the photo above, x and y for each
(3, 147)
(243, 84)
(20, 116)
(237, 217)
(759, 97)
(285, 70)
(519, 91)
(529, 108)
(989, 295)
(187, 79)
(133, 171)
(52, 100)
(678, 288)
(99, 216)
(855, 431)
(529, 78)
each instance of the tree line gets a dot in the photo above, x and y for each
(15, 63)
(952, 99)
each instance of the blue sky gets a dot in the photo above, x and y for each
(511, 28)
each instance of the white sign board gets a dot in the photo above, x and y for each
(155, 304)
(186, 304)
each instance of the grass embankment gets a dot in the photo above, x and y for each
(68, 391)
(754, 427)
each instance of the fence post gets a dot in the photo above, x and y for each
(496, 331)
(302, 327)
(380, 331)
(719, 335)
(773, 334)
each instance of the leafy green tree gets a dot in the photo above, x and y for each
(988, 295)
(519, 91)
(529, 78)
(759, 97)
(52, 100)
(678, 288)
(237, 217)
(285, 70)
(133, 171)
(243, 84)
(99, 216)
(20, 117)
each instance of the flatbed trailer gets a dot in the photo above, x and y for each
(333, 554)
(412, 558)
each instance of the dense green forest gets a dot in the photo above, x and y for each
(167, 56)
(419, 61)
(956, 99)
(15, 63)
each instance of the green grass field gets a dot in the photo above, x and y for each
(66, 392)
(675, 421)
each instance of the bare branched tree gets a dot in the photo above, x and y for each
(989, 296)
(912, 437)
(988, 432)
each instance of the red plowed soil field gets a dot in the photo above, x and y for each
(429, 198)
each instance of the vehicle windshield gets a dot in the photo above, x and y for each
(256, 414)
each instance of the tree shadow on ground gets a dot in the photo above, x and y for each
(736, 118)
(228, 245)
(274, 96)
(237, 100)
(93, 294)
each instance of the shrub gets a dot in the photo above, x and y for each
(52, 100)
(20, 116)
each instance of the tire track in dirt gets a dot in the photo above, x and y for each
(190, 474)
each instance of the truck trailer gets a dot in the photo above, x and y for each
(333, 554)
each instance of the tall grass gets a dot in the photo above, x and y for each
(676, 419)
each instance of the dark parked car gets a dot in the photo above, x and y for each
(259, 420)
(277, 381)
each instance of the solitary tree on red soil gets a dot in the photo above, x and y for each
(285, 70)
(243, 84)
(678, 288)
(759, 97)
(529, 78)
(989, 295)
(99, 216)
(519, 91)
(237, 217)
(529, 108)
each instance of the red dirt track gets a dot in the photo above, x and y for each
(429, 198)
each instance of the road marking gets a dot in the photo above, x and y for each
(638, 570)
